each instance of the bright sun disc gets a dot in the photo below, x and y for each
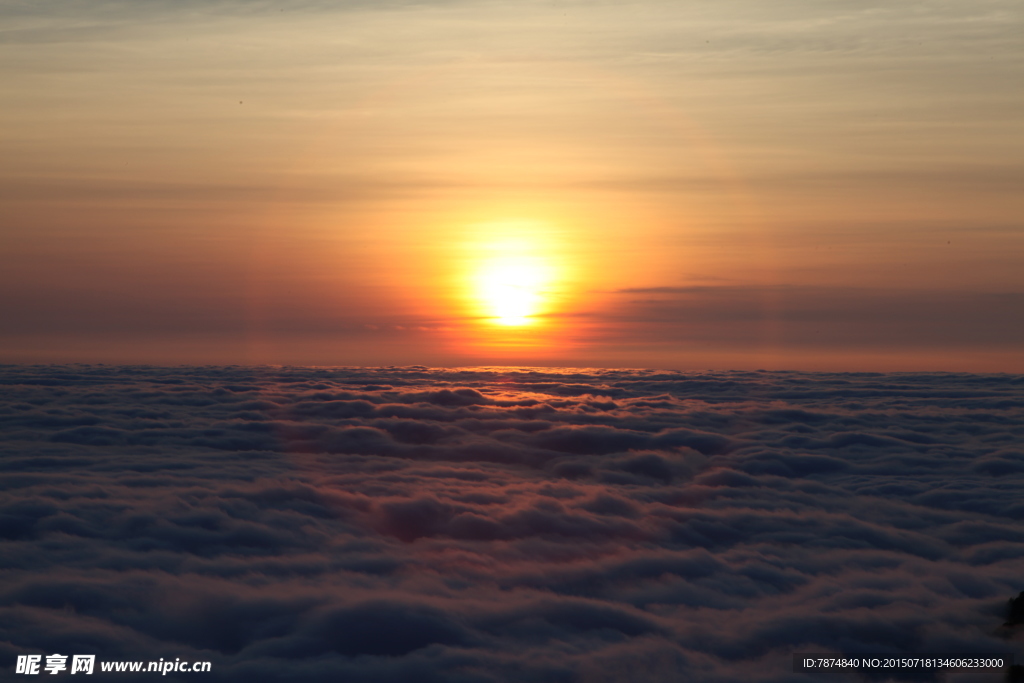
(511, 289)
(512, 275)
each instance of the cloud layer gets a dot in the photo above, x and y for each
(324, 524)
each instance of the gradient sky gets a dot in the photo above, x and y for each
(690, 184)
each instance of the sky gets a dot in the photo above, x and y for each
(824, 185)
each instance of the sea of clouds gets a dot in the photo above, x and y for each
(477, 525)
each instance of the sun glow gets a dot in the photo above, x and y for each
(514, 275)
(512, 288)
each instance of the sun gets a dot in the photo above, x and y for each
(512, 280)
(511, 288)
(513, 273)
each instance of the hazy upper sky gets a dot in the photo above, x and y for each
(688, 184)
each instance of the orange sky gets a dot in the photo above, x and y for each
(804, 185)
